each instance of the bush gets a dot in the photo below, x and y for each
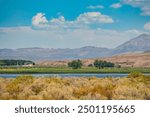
(90, 65)
(13, 88)
(51, 88)
(135, 74)
(75, 64)
(37, 89)
(101, 64)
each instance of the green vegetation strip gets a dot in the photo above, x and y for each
(11, 70)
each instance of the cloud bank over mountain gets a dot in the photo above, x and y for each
(73, 24)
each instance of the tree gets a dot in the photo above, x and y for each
(101, 64)
(15, 62)
(90, 65)
(75, 64)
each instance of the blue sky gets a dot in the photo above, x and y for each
(71, 23)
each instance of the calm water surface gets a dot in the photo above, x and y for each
(114, 75)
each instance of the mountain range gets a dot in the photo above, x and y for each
(140, 43)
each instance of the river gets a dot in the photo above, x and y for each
(114, 75)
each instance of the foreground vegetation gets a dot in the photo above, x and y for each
(28, 70)
(135, 86)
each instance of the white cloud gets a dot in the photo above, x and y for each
(94, 17)
(83, 20)
(95, 7)
(147, 26)
(60, 19)
(61, 33)
(116, 5)
(60, 38)
(39, 19)
(144, 5)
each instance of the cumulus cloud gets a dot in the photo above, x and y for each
(95, 7)
(78, 33)
(116, 5)
(147, 26)
(83, 20)
(60, 19)
(94, 17)
(144, 5)
(61, 33)
(39, 19)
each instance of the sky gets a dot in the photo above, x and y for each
(71, 23)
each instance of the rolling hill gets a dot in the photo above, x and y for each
(37, 54)
(124, 60)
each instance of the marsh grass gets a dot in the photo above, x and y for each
(30, 70)
(135, 86)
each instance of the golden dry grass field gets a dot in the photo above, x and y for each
(134, 87)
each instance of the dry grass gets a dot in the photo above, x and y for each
(140, 60)
(136, 86)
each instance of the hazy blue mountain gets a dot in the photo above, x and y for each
(52, 54)
(140, 43)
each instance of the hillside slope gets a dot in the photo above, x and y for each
(140, 43)
(125, 60)
(131, 60)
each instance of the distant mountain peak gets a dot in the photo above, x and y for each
(140, 43)
(92, 47)
(144, 35)
(89, 47)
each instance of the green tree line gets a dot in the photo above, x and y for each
(75, 64)
(15, 62)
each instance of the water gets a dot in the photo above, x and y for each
(114, 75)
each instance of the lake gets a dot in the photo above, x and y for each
(114, 75)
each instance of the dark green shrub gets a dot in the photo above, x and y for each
(75, 64)
(101, 64)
